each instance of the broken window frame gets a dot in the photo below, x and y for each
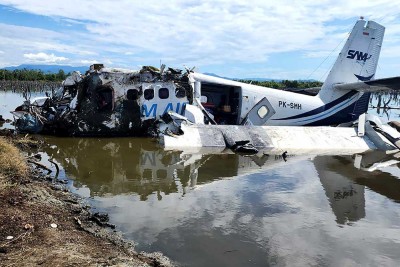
(132, 94)
(180, 92)
(100, 96)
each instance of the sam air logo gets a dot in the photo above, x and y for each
(358, 54)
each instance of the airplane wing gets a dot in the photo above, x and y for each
(385, 84)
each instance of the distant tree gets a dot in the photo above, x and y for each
(285, 84)
(61, 75)
(31, 75)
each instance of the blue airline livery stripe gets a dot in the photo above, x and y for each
(355, 110)
(337, 108)
(322, 108)
(364, 79)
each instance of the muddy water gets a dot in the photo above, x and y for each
(231, 210)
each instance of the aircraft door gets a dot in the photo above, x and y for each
(260, 113)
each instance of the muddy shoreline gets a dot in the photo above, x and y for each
(43, 223)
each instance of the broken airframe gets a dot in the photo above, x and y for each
(106, 102)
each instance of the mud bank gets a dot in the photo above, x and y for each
(42, 223)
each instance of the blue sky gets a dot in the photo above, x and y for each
(232, 38)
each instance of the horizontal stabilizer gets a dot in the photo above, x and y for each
(385, 84)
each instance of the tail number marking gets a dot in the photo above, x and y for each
(284, 104)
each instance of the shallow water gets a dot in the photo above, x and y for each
(214, 210)
(8, 102)
(231, 210)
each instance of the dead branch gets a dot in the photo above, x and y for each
(40, 165)
(57, 168)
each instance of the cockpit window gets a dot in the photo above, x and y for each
(148, 94)
(163, 93)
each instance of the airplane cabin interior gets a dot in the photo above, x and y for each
(222, 101)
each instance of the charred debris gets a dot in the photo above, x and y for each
(104, 102)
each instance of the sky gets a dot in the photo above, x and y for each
(232, 38)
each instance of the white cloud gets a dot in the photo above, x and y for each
(198, 33)
(89, 62)
(95, 61)
(44, 58)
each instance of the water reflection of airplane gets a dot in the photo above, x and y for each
(344, 179)
(126, 165)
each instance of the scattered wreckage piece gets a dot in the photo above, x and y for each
(369, 134)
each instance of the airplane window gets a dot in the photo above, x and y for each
(163, 93)
(132, 94)
(180, 92)
(147, 174)
(262, 112)
(148, 94)
(162, 174)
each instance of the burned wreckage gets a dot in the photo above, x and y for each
(106, 102)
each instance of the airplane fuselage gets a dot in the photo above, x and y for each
(283, 108)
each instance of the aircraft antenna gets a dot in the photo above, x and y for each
(327, 57)
(326, 72)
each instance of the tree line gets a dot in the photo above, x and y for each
(285, 84)
(39, 75)
(31, 75)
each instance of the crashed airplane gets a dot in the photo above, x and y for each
(107, 101)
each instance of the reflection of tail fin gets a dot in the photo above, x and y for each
(358, 59)
(347, 198)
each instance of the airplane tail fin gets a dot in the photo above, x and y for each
(357, 61)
